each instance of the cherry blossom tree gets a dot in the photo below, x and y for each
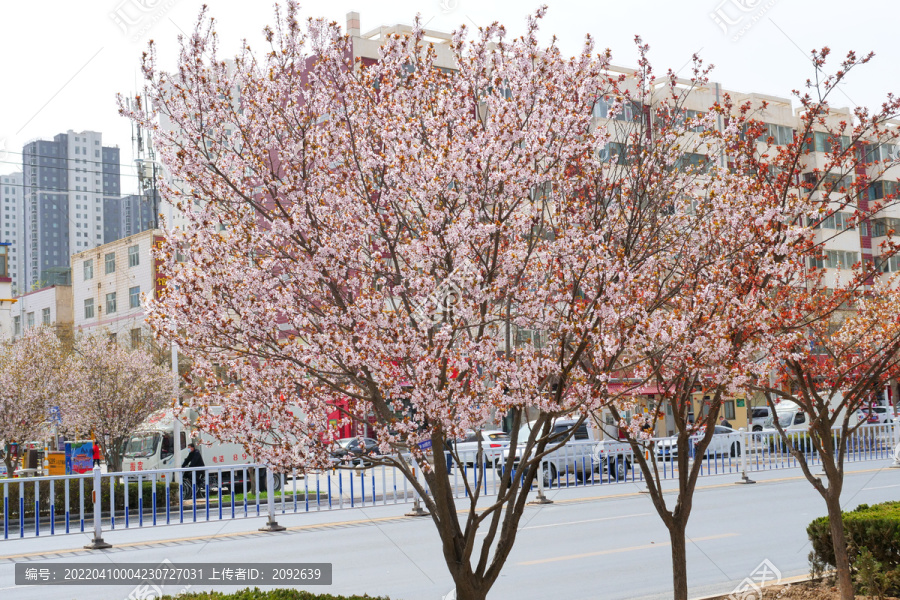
(113, 390)
(834, 336)
(376, 237)
(34, 376)
(730, 241)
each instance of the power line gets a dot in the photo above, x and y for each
(65, 158)
(59, 190)
(75, 170)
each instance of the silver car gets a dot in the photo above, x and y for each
(725, 442)
(492, 444)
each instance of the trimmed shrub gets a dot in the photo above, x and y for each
(279, 594)
(872, 532)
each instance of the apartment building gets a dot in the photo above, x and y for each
(844, 242)
(110, 283)
(47, 307)
(128, 215)
(12, 225)
(7, 302)
(66, 183)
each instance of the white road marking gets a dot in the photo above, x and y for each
(881, 487)
(586, 521)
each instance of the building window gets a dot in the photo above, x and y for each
(134, 258)
(29, 320)
(89, 308)
(729, 409)
(17, 325)
(88, 268)
(110, 303)
(110, 262)
(134, 297)
(45, 316)
(135, 338)
(839, 259)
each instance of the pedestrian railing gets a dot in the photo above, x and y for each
(55, 505)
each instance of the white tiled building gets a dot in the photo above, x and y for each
(12, 226)
(50, 306)
(109, 285)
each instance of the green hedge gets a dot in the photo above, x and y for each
(257, 594)
(59, 494)
(873, 534)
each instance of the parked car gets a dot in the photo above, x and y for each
(877, 414)
(576, 456)
(615, 457)
(758, 417)
(350, 451)
(790, 416)
(492, 444)
(725, 442)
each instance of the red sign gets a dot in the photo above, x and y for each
(159, 278)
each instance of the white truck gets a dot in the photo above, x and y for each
(581, 456)
(153, 446)
(792, 417)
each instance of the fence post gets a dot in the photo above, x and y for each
(97, 543)
(271, 525)
(416, 510)
(896, 427)
(745, 436)
(541, 498)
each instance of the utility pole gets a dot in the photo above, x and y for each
(146, 165)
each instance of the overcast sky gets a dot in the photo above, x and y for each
(64, 60)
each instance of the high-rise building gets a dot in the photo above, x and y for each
(12, 225)
(126, 216)
(65, 184)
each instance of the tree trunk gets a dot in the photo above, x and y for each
(839, 540)
(113, 455)
(467, 588)
(679, 558)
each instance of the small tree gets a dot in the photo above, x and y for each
(715, 264)
(34, 375)
(114, 390)
(833, 336)
(832, 368)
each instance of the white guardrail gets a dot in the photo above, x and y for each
(56, 505)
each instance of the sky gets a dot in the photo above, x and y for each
(63, 62)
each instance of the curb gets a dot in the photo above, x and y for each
(785, 581)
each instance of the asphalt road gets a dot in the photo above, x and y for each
(591, 543)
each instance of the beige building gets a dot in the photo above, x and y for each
(50, 306)
(110, 284)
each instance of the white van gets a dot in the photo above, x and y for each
(790, 416)
(758, 417)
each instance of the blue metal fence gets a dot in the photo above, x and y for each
(59, 505)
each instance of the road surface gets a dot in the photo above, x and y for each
(593, 542)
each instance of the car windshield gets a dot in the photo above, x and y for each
(499, 437)
(785, 420)
(557, 432)
(141, 445)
